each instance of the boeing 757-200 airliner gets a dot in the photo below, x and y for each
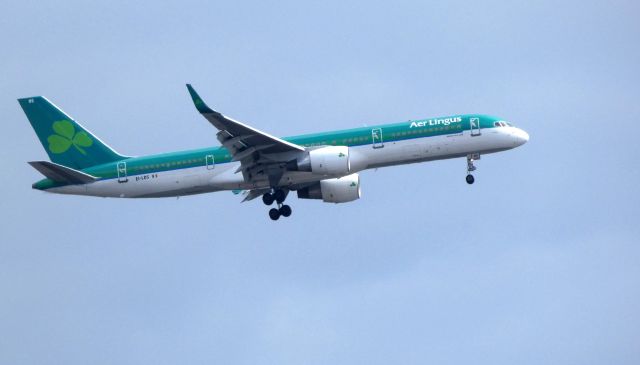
(317, 166)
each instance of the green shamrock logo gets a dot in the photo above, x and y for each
(66, 136)
(353, 184)
(341, 154)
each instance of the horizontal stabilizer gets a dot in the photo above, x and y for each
(61, 173)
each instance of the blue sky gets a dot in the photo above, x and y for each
(535, 263)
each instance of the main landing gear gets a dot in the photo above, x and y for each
(278, 195)
(470, 167)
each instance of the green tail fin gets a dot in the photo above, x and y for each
(67, 142)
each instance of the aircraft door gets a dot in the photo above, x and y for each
(376, 138)
(122, 172)
(475, 126)
(210, 162)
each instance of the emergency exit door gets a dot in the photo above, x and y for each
(475, 126)
(122, 172)
(376, 138)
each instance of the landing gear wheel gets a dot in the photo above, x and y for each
(274, 214)
(470, 179)
(285, 211)
(279, 196)
(268, 199)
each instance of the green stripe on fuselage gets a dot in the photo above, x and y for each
(349, 137)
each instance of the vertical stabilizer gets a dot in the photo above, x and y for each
(67, 142)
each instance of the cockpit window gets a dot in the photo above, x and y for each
(502, 124)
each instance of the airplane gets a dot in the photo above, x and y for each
(321, 166)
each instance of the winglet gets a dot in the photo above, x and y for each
(197, 101)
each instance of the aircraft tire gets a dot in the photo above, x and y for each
(274, 214)
(267, 199)
(279, 196)
(285, 210)
(470, 179)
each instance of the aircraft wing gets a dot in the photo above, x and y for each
(258, 152)
(238, 137)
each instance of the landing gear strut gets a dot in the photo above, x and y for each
(470, 167)
(278, 196)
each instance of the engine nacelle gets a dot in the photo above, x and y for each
(341, 190)
(331, 160)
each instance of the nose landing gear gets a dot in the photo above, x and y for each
(470, 167)
(278, 196)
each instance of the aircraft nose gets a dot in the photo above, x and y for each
(521, 137)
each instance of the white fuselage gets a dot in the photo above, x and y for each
(224, 176)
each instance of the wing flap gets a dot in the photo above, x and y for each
(255, 193)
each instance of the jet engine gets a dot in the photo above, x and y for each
(330, 160)
(340, 190)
